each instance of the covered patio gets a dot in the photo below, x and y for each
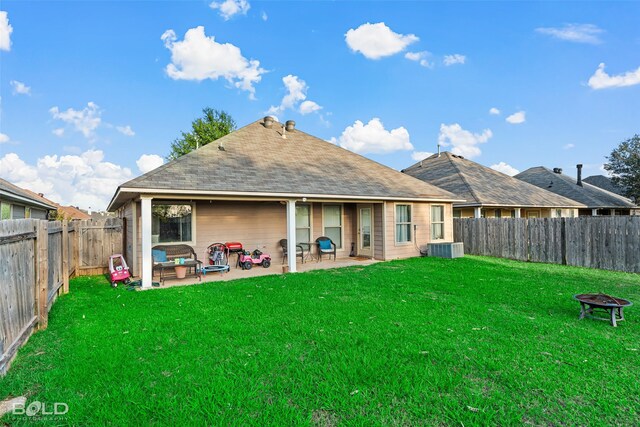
(276, 268)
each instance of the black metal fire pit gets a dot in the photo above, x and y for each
(613, 306)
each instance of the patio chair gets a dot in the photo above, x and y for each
(326, 247)
(285, 248)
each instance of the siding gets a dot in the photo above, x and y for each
(378, 231)
(421, 217)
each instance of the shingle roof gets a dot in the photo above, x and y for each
(14, 192)
(603, 182)
(483, 186)
(589, 195)
(258, 160)
(69, 212)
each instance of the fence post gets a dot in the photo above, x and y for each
(563, 240)
(65, 257)
(43, 273)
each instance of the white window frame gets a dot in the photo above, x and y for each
(341, 222)
(193, 220)
(395, 223)
(310, 205)
(443, 222)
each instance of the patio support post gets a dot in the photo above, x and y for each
(518, 212)
(291, 235)
(145, 219)
(477, 212)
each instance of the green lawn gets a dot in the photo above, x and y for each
(427, 341)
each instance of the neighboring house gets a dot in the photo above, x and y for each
(18, 203)
(603, 182)
(63, 212)
(260, 184)
(489, 193)
(597, 201)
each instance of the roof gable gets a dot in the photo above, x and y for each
(587, 194)
(481, 185)
(257, 160)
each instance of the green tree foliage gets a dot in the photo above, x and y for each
(624, 166)
(212, 125)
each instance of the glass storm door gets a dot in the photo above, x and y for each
(365, 238)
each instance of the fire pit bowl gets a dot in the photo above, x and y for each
(613, 306)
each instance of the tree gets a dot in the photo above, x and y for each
(624, 166)
(212, 125)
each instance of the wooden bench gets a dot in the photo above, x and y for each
(167, 269)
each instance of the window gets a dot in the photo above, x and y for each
(332, 218)
(5, 211)
(437, 222)
(558, 213)
(303, 223)
(403, 223)
(172, 223)
(513, 213)
(498, 213)
(457, 213)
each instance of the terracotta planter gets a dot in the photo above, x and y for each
(181, 271)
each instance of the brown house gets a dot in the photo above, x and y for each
(263, 183)
(487, 192)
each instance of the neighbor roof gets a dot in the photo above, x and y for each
(590, 195)
(605, 183)
(16, 194)
(483, 186)
(258, 161)
(69, 212)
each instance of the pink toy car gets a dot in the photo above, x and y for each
(256, 257)
(118, 270)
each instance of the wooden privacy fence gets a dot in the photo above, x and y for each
(37, 258)
(609, 243)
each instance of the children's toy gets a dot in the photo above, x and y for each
(247, 259)
(218, 255)
(118, 270)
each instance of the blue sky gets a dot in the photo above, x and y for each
(94, 92)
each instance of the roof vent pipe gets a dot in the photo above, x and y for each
(579, 182)
(290, 125)
(557, 170)
(268, 122)
(438, 150)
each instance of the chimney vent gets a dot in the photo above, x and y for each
(579, 182)
(268, 122)
(557, 170)
(291, 125)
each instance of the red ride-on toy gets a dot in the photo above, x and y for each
(247, 259)
(118, 270)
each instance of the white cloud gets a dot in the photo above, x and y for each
(464, 143)
(4, 138)
(86, 120)
(373, 138)
(5, 31)
(456, 58)
(578, 33)
(229, 8)
(20, 88)
(376, 41)
(125, 130)
(307, 107)
(296, 92)
(58, 132)
(264, 16)
(568, 146)
(84, 180)
(602, 80)
(517, 118)
(420, 155)
(199, 57)
(505, 168)
(420, 57)
(148, 162)
(494, 111)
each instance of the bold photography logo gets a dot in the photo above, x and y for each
(41, 409)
